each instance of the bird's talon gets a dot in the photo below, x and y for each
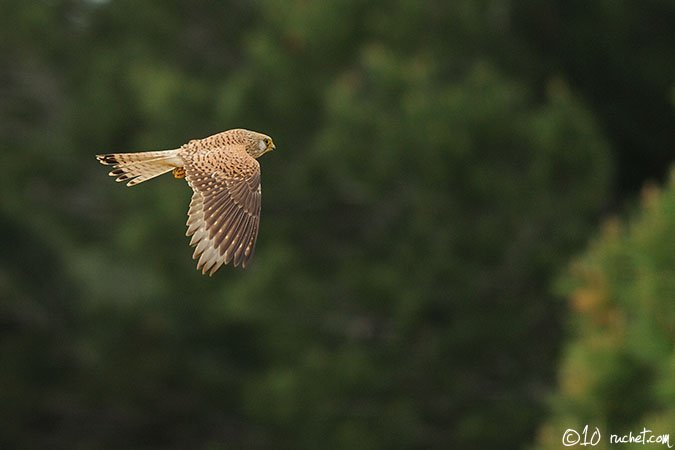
(179, 172)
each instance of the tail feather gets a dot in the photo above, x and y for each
(135, 168)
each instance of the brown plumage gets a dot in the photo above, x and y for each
(222, 171)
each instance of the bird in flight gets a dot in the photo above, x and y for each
(224, 175)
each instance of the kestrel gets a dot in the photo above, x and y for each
(224, 174)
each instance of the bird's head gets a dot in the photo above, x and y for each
(258, 144)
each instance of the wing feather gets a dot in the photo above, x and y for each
(224, 213)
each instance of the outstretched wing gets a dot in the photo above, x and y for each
(225, 209)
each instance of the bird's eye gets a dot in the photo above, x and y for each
(267, 141)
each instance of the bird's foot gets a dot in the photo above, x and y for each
(179, 172)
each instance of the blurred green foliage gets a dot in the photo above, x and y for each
(617, 371)
(437, 164)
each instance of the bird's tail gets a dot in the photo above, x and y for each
(138, 167)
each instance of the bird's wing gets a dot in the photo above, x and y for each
(225, 209)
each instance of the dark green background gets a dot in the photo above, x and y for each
(438, 164)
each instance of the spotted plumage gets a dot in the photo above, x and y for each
(224, 175)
